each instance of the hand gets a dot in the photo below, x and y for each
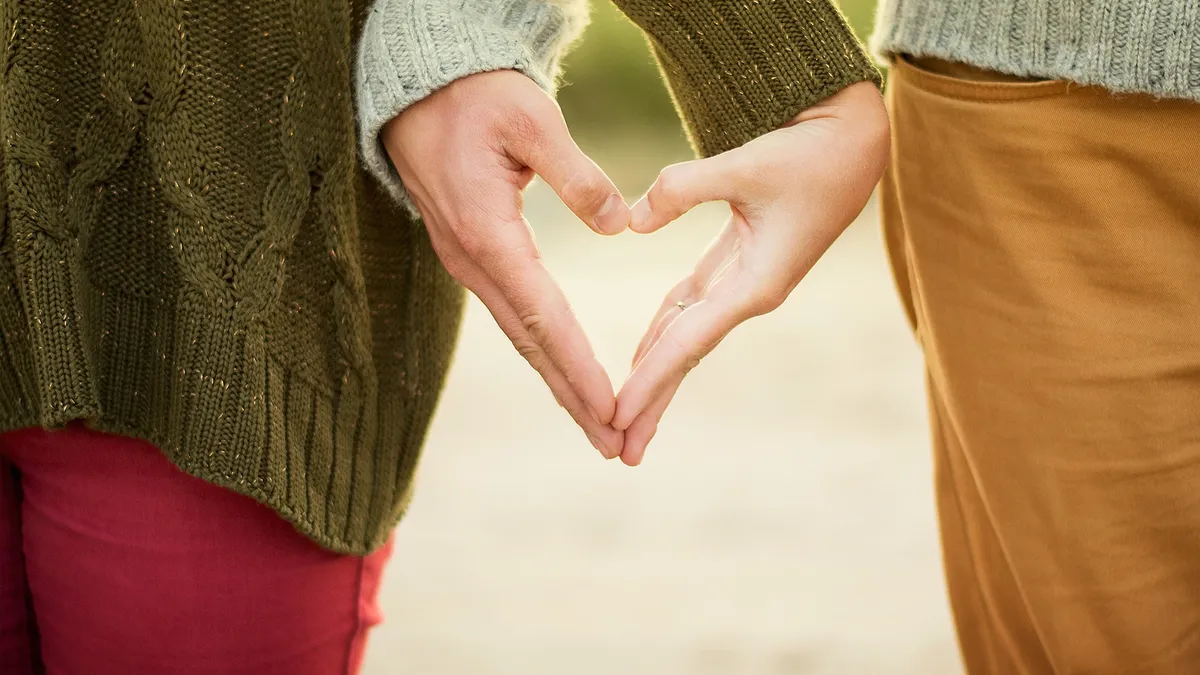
(791, 193)
(466, 155)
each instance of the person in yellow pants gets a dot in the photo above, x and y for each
(1045, 239)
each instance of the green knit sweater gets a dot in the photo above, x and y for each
(193, 253)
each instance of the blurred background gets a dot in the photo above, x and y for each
(783, 521)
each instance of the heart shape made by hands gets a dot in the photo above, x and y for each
(466, 153)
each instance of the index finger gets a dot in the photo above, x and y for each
(689, 338)
(606, 439)
(546, 315)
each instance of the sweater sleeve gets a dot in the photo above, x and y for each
(738, 69)
(411, 48)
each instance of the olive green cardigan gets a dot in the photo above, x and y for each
(193, 253)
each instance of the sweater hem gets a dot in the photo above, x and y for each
(1123, 49)
(210, 395)
(297, 519)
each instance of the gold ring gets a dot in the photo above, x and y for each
(681, 306)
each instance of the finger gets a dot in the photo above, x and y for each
(509, 258)
(680, 188)
(717, 257)
(603, 437)
(546, 146)
(689, 338)
(544, 313)
(645, 425)
(663, 319)
(670, 308)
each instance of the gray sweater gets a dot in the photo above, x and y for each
(411, 48)
(1149, 46)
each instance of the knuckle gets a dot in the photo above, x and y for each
(668, 192)
(456, 268)
(527, 120)
(535, 356)
(455, 263)
(537, 327)
(476, 240)
(472, 245)
(521, 123)
(530, 352)
(585, 193)
(767, 298)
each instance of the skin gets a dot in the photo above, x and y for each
(791, 193)
(467, 153)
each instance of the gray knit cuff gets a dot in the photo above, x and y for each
(411, 48)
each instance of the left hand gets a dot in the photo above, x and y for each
(791, 193)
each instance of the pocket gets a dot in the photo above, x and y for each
(970, 88)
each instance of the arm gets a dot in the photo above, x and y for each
(456, 120)
(410, 49)
(783, 103)
(465, 151)
(738, 69)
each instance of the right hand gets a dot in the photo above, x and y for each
(466, 154)
(791, 193)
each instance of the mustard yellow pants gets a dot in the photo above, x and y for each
(1045, 239)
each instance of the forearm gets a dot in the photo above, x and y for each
(738, 69)
(412, 48)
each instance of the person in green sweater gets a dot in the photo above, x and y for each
(225, 329)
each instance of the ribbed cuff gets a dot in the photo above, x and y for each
(741, 68)
(411, 48)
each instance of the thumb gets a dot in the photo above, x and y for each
(575, 178)
(682, 187)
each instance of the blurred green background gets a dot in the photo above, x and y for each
(616, 103)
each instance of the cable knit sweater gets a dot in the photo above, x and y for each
(1147, 46)
(191, 252)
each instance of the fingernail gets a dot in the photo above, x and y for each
(613, 217)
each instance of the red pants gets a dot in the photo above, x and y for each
(114, 561)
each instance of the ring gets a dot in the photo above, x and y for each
(680, 305)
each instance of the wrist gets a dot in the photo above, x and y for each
(861, 102)
(411, 49)
(861, 116)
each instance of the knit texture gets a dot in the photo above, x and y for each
(199, 261)
(411, 48)
(738, 69)
(197, 257)
(1145, 46)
